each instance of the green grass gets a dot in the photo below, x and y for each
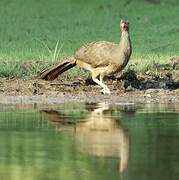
(31, 30)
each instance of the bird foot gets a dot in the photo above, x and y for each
(105, 91)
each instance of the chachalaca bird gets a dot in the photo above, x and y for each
(100, 58)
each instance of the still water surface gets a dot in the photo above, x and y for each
(89, 142)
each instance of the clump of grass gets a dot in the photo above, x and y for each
(53, 53)
(8, 69)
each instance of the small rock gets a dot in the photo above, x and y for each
(130, 88)
(26, 67)
(162, 85)
(147, 95)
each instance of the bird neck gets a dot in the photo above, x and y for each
(124, 37)
(125, 43)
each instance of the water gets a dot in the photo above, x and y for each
(89, 142)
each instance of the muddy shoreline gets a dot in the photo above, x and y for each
(158, 84)
(162, 97)
(35, 91)
(161, 85)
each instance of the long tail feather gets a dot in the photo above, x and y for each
(57, 69)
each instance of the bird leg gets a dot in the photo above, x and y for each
(105, 89)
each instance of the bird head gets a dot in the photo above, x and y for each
(124, 25)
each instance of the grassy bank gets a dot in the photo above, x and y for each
(31, 31)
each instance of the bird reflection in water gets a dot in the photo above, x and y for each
(98, 134)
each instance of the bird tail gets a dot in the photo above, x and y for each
(57, 69)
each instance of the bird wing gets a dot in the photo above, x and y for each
(97, 54)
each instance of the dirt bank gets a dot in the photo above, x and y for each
(159, 85)
(28, 90)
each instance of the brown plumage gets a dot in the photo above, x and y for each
(100, 58)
